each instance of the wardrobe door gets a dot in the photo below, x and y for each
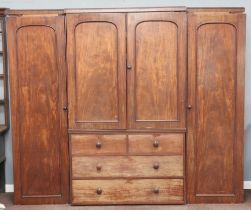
(97, 73)
(36, 50)
(156, 64)
(215, 120)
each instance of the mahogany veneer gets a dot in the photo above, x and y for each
(152, 100)
(141, 191)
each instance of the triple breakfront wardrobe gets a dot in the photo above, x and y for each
(127, 106)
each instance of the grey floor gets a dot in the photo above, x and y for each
(6, 199)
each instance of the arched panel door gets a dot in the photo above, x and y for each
(156, 61)
(97, 73)
(36, 53)
(215, 121)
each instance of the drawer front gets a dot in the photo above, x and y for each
(121, 191)
(166, 144)
(98, 144)
(131, 166)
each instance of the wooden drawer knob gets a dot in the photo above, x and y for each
(99, 191)
(156, 144)
(156, 190)
(99, 167)
(98, 145)
(156, 166)
(189, 106)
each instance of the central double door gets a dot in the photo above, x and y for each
(126, 70)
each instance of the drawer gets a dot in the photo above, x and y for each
(127, 166)
(167, 144)
(98, 144)
(122, 191)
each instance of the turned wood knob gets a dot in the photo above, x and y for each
(99, 167)
(99, 191)
(129, 67)
(189, 106)
(156, 190)
(98, 145)
(156, 144)
(156, 165)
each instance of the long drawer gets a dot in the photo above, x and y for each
(127, 166)
(122, 191)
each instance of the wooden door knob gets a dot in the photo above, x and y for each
(156, 190)
(156, 165)
(99, 191)
(99, 167)
(98, 145)
(189, 106)
(156, 144)
(129, 67)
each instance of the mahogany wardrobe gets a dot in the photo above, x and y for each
(127, 106)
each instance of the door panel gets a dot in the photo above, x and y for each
(96, 84)
(156, 82)
(96, 72)
(215, 125)
(160, 80)
(39, 124)
(215, 105)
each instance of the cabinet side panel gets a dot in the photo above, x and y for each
(215, 122)
(37, 80)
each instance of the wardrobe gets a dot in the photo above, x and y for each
(127, 106)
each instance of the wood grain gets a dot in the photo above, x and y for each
(96, 72)
(39, 124)
(215, 125)
(157, 76)
(156, 83)
(87, 144)
(135, 191)
(128, 87)
(156, 144)
(215, 106)
(131, 166)
(96, 64)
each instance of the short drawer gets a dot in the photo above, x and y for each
(98, 144)
(123, 166)
(122, 191)
(166, 144)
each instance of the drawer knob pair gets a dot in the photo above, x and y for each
(98, 145)
(156, 190)
(99, 190)
(156, 144)
(156, 166)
